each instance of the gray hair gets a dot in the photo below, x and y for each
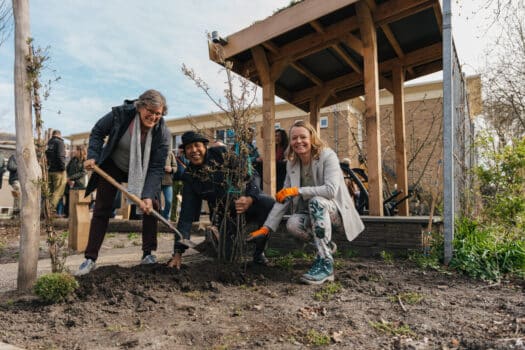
(152, 98)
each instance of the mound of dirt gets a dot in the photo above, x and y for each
(371, 305)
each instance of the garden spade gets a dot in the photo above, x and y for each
(138, 201)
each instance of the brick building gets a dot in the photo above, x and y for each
(341, 126)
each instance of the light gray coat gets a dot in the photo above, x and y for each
(329, 183)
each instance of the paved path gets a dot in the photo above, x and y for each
(110, 254)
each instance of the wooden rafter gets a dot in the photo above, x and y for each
(429, 54)
(439, 16)
(347, 59)
(394, 10)
(394, 43)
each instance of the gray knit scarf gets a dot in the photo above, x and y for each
(138, 164)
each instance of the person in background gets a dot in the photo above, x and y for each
(56, 161)
(170, 168)
(14, 183)
(321, 203)
(2, 169)
(76, 174)
(205, 179)
(135, 152)
(255, 158)
(281, 144)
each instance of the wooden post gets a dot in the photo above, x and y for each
(398, 79)
(315, 111)
(79, 220)
(268, 114)
(125, 208)
(373, 126)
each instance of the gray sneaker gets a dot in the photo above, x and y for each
(323, 273)
(85, 267)
(149, 259)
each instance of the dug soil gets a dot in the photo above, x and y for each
(373, 304)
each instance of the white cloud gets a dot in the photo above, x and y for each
(107, 51)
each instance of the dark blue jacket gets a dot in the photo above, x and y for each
(206, 182)
(114, 125)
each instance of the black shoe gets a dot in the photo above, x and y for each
(261, 259)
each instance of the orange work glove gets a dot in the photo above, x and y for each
(263, 231)
(286, 193)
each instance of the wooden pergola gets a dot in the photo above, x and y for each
(318, 53)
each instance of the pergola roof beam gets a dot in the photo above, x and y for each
(428, 54)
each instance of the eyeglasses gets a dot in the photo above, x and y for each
(153, 112)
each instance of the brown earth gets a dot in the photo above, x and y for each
(373, 304)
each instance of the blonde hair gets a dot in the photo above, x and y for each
(317, 144)
(81, 152)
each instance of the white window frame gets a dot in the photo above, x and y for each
(323, 122)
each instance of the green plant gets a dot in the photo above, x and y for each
(387, 257)
(132, 236)
(327, 291)
(392, 328)
(285, 262)
(485, 252)
(350, 253)
(410, 298)
(317, 338)
(301, 254)
(272, 253)
(55, 287)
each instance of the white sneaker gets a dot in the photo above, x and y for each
(149, 259)
(85, 267)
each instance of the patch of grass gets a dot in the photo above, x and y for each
(272, 253)
(410, 298)
(220, 347)
(350, 253)
(338, 264)
(485, 252)
(118, 245)
(114, 328)
(426, 262)
(300, 254)
(327, 291)
(194, 294)
(136, 243)
(387, 257)
(392, 328)
(133, 235)
(316, 338)
(285, 262)
(111, 235)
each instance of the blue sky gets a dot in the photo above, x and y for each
(107, 51)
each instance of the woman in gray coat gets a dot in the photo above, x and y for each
(315, 186)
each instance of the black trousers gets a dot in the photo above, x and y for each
(257, 214)
(103, 209)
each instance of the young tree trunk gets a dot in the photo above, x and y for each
(28, 170)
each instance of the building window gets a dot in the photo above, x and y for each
(277, 126)
(176, 140)
(219, 135)
(323, 122)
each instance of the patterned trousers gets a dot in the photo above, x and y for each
(317, 224)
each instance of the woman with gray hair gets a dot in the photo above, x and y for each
(135, 152)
